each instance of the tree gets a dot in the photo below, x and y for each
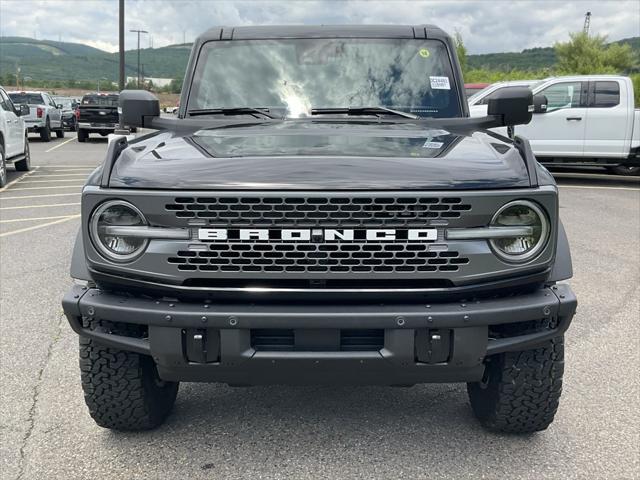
(585, 55)
(461, 51)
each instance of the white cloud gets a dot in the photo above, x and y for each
(486, 26)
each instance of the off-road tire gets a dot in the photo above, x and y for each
(3, 168)
(622, 170)
(521, 390)
(60, 133)
(122, 389)
(24, 165)
(45, 133)
(82, 135)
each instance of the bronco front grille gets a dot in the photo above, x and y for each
(370, 257)
(335, 211)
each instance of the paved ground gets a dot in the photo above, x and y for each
(310, 432)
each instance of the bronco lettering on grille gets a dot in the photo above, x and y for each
(326, 235)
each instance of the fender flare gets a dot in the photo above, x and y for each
(563, 267)
(79, 268)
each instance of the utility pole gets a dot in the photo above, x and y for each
(587, 23)
(138, 32)
(184, 36)
(121, 46)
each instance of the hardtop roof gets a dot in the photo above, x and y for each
(321, 31)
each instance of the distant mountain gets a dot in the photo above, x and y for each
(51, 60)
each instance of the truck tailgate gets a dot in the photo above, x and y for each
(98, 114)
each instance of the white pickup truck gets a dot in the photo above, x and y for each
(44, 117)
(579, 120)
(14, 145)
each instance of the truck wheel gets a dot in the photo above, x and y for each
(45, 133)
(521, 390)
(623, 170)
(3, 168)
(122, 389)
(60, 133)
(24, 165)
(82, 135)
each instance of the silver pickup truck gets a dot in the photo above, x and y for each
(44, 115)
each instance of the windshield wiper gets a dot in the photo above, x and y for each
(233, 111)
(362, 111)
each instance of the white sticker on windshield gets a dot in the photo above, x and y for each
(430, 144)
(440, 83)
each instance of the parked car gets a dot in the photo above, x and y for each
(173, 110)
(353, 229)
(69, 112)
(14, 144)
(472, 88)
(44, 115)
(98, 113)
(581, 120)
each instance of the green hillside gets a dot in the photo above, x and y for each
(62, 61)
(50, 60)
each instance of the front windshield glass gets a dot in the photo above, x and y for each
(65, 102)
(296, 75)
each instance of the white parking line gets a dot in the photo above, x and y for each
(76, 166)
(40, 206)
(28, 229)
(63, 175)
(599, 188)
(33, 219)
(59, 145)
(59, 180)
(41, 196)
(48, 188)
(13, 182)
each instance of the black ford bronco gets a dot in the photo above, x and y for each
(322, 210)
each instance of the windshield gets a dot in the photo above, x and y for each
(26, 98)
(297, 75)
(101, 100)
(65, 102)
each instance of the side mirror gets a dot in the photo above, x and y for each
(540, 104)
(59, 106)
(513, 104)
(23, 111)
(138, 108)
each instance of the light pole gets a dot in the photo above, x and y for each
(121, 46)
(138, 32)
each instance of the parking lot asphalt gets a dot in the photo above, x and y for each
(310, 432)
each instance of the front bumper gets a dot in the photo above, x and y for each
(440, 342)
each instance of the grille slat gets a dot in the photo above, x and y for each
(370, 257)
(283, 212)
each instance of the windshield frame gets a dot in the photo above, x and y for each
(456, 81)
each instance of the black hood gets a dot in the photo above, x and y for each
(297, 155)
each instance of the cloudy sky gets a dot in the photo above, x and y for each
(486, 25)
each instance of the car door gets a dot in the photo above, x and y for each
(56, 113)
(12, 126)
(607, 129)
(560, 131)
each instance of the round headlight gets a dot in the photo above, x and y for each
(521, 213)
(113, 246)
